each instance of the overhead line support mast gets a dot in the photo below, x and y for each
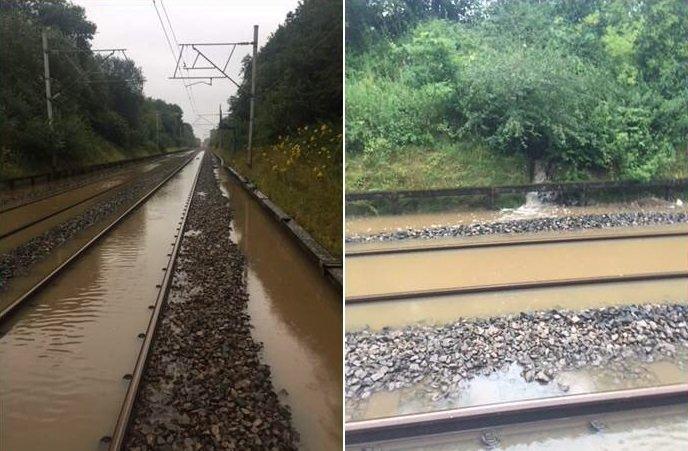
(49, 97)
(219, 72)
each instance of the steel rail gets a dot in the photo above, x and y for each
(512, 243)
(62, 210)
(47, 196)
(124, 416)
(40, 284)
(516, 286)
(513, 412)
(66, 190)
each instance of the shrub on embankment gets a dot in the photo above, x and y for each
(100, 111)
(302, 174)
(298, 142)
(594, 90)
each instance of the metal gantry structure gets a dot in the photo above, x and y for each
(199, 52)
(49, 96)
(203, 62)
(209, 125)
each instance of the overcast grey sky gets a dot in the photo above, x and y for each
(134, 25)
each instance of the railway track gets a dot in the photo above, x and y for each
(20, 217)
(407, 427)
(48, 193)
(124, 416)
(435, 283)
(615, 236)
(511, 265)
(670, 275)
(36, 287)
(13, 316)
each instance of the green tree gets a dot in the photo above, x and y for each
(299, 78)
(586, 87)
(98, 103)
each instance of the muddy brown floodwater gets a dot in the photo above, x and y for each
(428, 269)
(507, 384)
(366, 225)
(64, 354)
(297, 314)
(35, 211)
(446, 309)
(434, 270)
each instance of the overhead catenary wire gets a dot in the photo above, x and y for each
(174, 55)
(176, 43)
(180, 59)
(169, 22)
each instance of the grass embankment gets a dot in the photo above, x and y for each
(446, 167)
(302, 174)
(452, 167)
(679, 168)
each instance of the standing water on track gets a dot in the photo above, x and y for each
(297, 316)
(64, 354)
(531, 209)
(446, 269)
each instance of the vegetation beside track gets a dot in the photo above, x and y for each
(298, 141)
(679, 168)
(446, 166)
(586, 90)
(100, 111)
(302, 174)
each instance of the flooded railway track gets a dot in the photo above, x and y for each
(19, 217)
(79, 339)
(363, 251)
(419, 301)
(508, 266)
(582, 281)
(6, 307)
(487, 417)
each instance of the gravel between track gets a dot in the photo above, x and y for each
(204, 386)
(542, 343)
(518, 226)
(19, 259)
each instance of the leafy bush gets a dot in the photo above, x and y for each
(37, 142)
(587, 88)
(532, 101)
(385, 114)
(113, 127)
(91, 119)
(627, 143)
